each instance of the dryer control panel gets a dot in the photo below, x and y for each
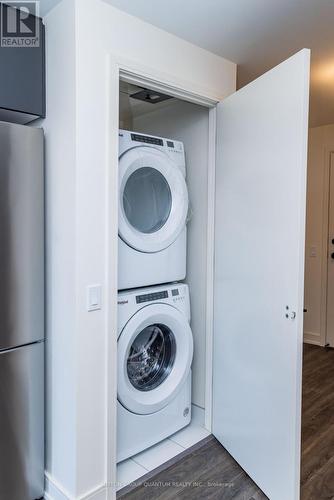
(169, 145)
(172, 147)
(147, 139)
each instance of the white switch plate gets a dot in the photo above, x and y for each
(94, 297)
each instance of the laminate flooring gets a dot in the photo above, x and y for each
(209, 472)
(317, 464)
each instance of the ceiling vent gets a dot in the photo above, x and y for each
(151, 96)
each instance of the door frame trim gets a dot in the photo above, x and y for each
(329, 161)
(309, 337)
(132, 73)
(138, 77)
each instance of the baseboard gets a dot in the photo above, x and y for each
(55, 491)
(312, 338)
(99, 493)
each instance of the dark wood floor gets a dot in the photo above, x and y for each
(317, 472)
(207, 473)
(211, 473)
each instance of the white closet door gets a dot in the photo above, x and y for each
(259, 274)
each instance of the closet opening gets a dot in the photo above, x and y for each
(165, 254)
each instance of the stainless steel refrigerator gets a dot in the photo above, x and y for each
(21, 312)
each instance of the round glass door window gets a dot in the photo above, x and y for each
(147, 200)
(151, 357)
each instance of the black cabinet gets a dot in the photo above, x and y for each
(22, 66)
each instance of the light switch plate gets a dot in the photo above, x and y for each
(94, 297)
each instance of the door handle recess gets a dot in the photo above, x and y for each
(290, 314)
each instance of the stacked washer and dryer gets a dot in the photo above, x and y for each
(155, 343)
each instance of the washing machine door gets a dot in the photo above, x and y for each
(155, 351)
(153, 199)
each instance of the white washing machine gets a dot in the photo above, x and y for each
(155, 351)
(153, 207)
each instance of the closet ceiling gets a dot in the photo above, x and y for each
(256, 34)
(131, 108)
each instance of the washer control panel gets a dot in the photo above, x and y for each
(149, 297)
(173, 293)
(176, 295)
(131, 301)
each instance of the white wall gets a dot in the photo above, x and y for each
(88, 120)
(321, 142)
(60, 167)
(189, 123)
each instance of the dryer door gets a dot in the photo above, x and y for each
(153, 199)
(155, 351)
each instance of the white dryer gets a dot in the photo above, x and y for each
(155, 351)
(153, 207)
